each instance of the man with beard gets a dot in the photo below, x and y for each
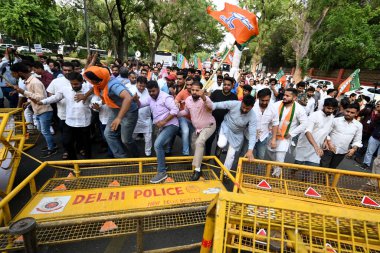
(331, 93)
(76, 129)
(220, 96)
(301, 97)
(155, 74)
(123, 114)
(35, 90)
(309, 108)
(115, 70)
(239, 118)
(218, 85)
(344, 139)
(186, 128)
(200, 109)
(292, 120)
(267, 123)
(164, 111)
(309, 148)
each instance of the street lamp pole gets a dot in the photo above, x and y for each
(86, 26)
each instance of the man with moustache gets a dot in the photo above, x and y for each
(78, 115)
(267, 123)
(309, 148)
(292, 120)
(239, 118)
(344, 139)
(199, 107)
(164, 112)
(220, 96)
(310, 100)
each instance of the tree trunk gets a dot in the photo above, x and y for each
(301, 43)
(120, 48)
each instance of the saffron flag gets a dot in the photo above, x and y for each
(351, 83)
(182, 62)
(197, 62)
(239, 22)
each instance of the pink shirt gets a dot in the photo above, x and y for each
(200, 116)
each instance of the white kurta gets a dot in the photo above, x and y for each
(297, 126)
(144, 122)
(319, 125)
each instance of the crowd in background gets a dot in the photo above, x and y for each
(248, 114)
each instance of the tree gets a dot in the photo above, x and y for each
(308, 16)
(353, 28)
(271, 17)
(195, 31)
(119, 14)
(29, 21)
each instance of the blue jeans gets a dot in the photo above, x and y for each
(43, 125)
(122, 138)
(187, 130)
(260, 148)
(162, 140)
(373, 145)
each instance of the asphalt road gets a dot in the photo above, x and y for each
(117, 244)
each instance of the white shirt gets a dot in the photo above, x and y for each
(47, 68)
(215, 87)
(297, 126)
(322, 101)
(346, 133)
(54, 87)
(144, 121)
(265, 120)
(319, 125)
(309, 108)
(78, 114)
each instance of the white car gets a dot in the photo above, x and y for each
(315, 82)
(4, 46)
(368, 91)
(46, 50)
(21, 49)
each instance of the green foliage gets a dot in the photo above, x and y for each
(349, 38)
(29, 21)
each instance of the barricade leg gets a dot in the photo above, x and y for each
(208, 234)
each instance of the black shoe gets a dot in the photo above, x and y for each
(196, 175)
(49, 153)
(44, 149)
(365, 167)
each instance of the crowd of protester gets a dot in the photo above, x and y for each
(250, 114)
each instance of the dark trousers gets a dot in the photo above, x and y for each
(13, 99)
(76, 135)
(331, 160)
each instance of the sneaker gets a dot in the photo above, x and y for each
(49, 153)
(196, 175)
(160, 176)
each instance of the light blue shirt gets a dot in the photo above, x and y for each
(235, 123)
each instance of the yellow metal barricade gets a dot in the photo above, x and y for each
(315, 184)
(268, 223)
(13, 137)
(101, 198)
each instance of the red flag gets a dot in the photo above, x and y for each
(241, 23)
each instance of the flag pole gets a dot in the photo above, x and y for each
(209, 82)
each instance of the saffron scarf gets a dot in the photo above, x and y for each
(285, 126)
(105, 75)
